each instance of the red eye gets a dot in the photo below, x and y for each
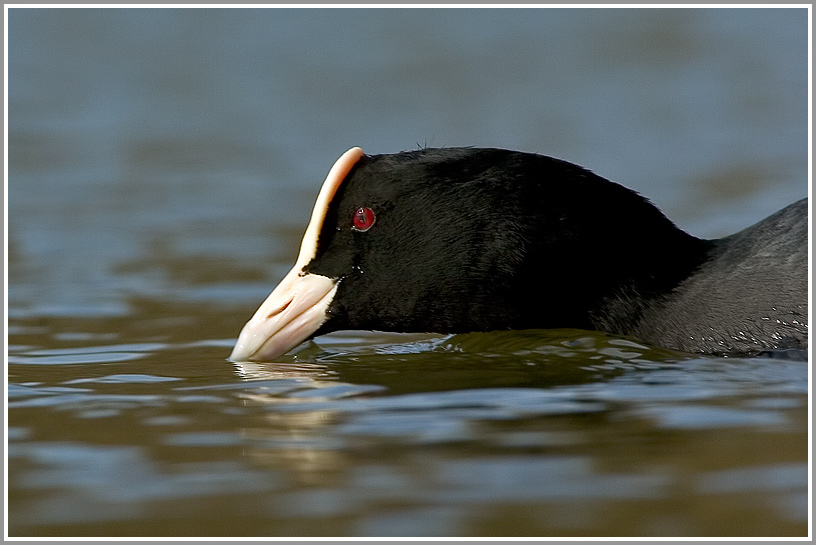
(363, 219)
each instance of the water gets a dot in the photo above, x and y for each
(162, 166)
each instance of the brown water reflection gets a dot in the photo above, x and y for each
(576, 434)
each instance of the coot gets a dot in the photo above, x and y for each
(462, 239)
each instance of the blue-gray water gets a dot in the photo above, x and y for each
(162, 166)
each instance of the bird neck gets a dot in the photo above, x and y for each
(652, 276)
